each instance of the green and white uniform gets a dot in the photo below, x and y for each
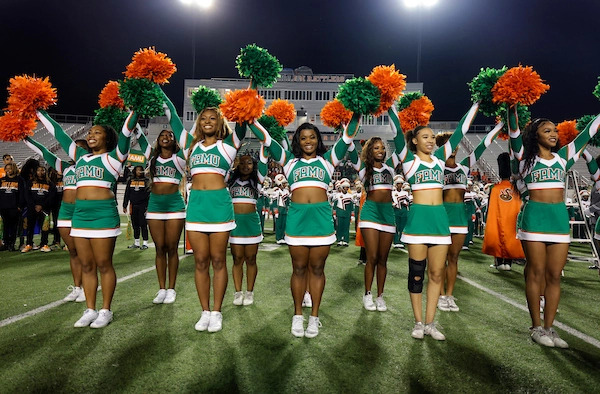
(545, 222)
(94, 218)
(248, 230)
(308, 224)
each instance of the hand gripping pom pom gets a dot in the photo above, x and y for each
(414, 110)
(359, 96)
(390, 83)
(259, 65)
(204, 98)
(142, 96)
(335, 115)
(282, 110)
(149, 64)
(242, 106)
(110, 116)
(481, 90)
(14, 127)
(109, 96)
(523, 114)
(28, 94)
(276, 131)
(519, 85)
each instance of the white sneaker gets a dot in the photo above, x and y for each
(312, 330)
(298, 326)
(504, 267)
(80, 296)
(443, 303)
(307, 301)
(418, 331)
(170, 296)
(202, 324)
(368, 302)
(540, 336)
(558, 342)
(160, 296)
(380, 303)
(432, 331)
(104, 318)
(89, 315)
(238, 298)
(72, 296)
(216, 321)
(249, 298)
(451, 303)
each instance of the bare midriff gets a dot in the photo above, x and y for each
(208, 182)
(550, 196)
(380, 196)
(94, 193)
(69, 196)
(428, 197)
(309, 195)
(164, 188)
(244, 208)
(454, 195)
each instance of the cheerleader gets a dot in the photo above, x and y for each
(427, 232)
(137, 193)
(96, 223)
(544, 227)
(12, 189)
(309, 229)
(244, 188)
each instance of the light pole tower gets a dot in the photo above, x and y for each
(419, 5)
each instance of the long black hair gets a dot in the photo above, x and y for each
(112, 138)
(297, 151)
(366, 156)
(410, 134)
(530, 144)
(236, 174)
(156, 151)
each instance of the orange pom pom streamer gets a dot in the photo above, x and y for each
(504, 132)
(109, 96)
(149, 64)
(335, 115)
(390, 83)
(14, 128)
(519, 85)
(567, 132)
(242, 106)
(283, 111)
(28, 94)
(416, 114)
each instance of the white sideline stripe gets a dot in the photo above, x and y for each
(33, 312)
(564, 327)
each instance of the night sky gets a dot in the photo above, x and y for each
(81, 44)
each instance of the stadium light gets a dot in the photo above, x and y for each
(200, 3)
(419, 4)
(203, 4)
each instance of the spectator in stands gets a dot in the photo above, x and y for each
(39, 195)
(12, 189)
(6, 159)
(56, 178)
(137, 192)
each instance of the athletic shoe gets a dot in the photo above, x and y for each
(80, 296)
(558, 342)
(216, 321)
(307, 301)
(36, 247)
(540, 336)
(298, 326)
(160, 296)
(504, 267)
(465, 248)
(451, 303)
(418, 331)
(368, 302)
(443, 303)
(238, 298)
(27, 248)
(432, 331)
(202, 324)
(134, 246)
(312, 330)
(170, 296)
(143, 247)
(401, 246)
(380, 303)
(72, 296)
(340, 244)
(45, 249)
(89, 315)
(249, 298)
(104, 318)
(396, 246)
(281, 242)
(65, 248)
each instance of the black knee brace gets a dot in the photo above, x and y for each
(416, 269)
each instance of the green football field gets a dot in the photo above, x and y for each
(154, 348)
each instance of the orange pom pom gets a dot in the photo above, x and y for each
(283, 111)
(14, 128)
(416, 114)
(519, 85)
(390, 83)
(504, 132)
(149, 64)
(109, 96)
(242, 106)
(28, 94)
(335, 115)
(567, 131)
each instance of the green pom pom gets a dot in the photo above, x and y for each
(142, 96)
(204, 98)
(276, 131)
(522, 112)
(408, 98)
(481, 90)
(596, 91)
(582, 123)
(110, 116)
(359, 95)
(259, 65)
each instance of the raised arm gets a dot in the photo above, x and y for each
(276, 151)
(121, 151)
(445, 151)
(181, 134)
(68, 145)
(516, 140)
(239, 133)
(52, 160)
(263, 167)
(341, 146)
(404, 154)
(571, 151)
(470, 160)
(143, 141)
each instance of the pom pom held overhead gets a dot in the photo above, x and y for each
(390, 83)
(28, 94)
(359, 96)
(242, 106)
(519, 85)
(282, 110)
(149, 64)
(481, 90)
(259, 65)
(142, 96)
(205, 97)
(14, 127)
(109, 96)
(567, 131)
(335, 115)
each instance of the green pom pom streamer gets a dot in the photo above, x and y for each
(359, 96)
(481, 90)
(204, 98)
(596, 91)
(582, 123)
(142, 96)
(522, 112)
(110, 116)
(407, 99)
(276, 131)
(259, 65)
